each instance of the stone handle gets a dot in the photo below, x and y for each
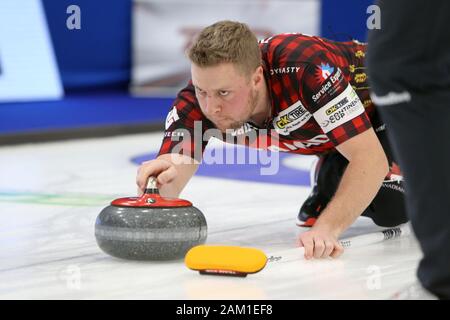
(151, 186)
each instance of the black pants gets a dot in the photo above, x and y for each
(409, 69)
(388, 207)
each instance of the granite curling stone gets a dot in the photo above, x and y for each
(150, 227)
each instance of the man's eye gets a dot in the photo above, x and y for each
(223, 93)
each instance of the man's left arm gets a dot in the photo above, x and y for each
(360, 183)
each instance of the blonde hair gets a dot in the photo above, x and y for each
(226, 42)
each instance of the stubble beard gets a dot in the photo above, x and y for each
(251, 106)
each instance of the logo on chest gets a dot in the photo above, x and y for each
(291, 119)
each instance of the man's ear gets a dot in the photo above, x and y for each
(258, 76)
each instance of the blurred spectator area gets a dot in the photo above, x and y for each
(94, 65)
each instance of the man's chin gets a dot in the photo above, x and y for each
(229, 127)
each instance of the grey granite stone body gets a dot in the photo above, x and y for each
(149, 233)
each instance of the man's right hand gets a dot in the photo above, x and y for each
(172, 172)
(164, 172)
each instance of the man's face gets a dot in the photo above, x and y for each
(226, 96)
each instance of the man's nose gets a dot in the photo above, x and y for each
(212, 105)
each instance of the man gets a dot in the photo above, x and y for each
(307, 91)
(409, 65)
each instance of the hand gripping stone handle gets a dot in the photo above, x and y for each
(151, 186)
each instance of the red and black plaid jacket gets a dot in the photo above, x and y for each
(319, 95)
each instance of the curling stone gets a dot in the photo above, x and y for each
(150, 227)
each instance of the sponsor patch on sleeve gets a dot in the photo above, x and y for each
(291, 118)
(172, 116)
(338, 111)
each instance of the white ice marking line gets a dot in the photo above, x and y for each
(352, 242)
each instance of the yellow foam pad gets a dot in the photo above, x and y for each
(225, 260)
